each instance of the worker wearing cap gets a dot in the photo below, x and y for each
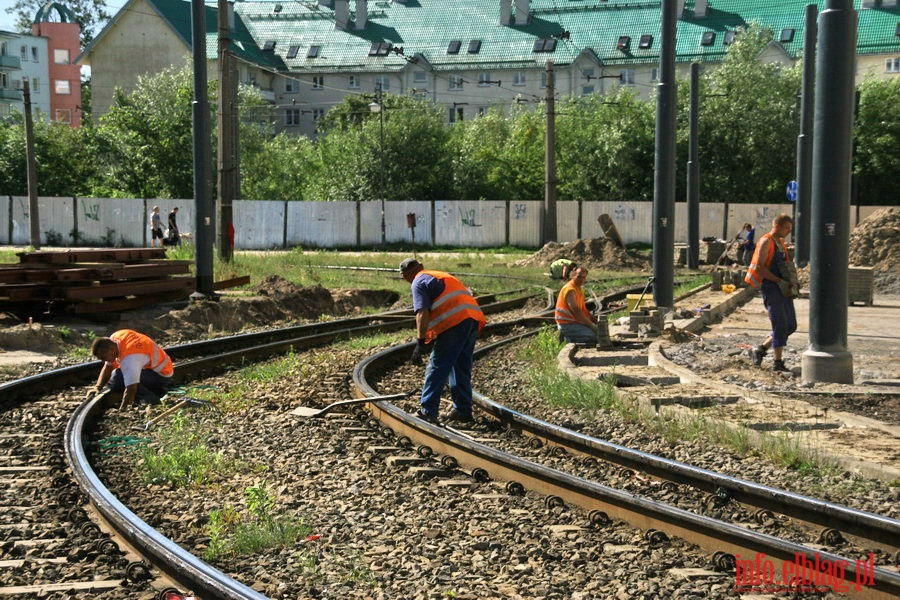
(134, 365)
(448, 315)
(573, 319)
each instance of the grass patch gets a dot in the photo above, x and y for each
(373, 341)
(591, 397)
(179, 457)
(258, 529)
(290, 365)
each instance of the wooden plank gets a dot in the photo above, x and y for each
(233, 282)
(127, 288)
(100, 255)
(609, 229)
(25, 291)
(109, 306)
(152, 270)
(23, 275)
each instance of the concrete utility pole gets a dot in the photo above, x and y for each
(204, 229)
(693, 173)
(804, 140)
(227, 130)
(827, 358)
(34, 220)
(664, 172)
(550, 159)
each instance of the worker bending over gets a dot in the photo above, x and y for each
(134, 365)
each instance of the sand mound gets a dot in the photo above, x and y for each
(595, 253)
(876, 243)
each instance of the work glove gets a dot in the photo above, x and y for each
(91, 393)
(418, 351)
(785, 287)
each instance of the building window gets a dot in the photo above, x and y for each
(519, 78)
(290, 86)
(456, 82)
(482, 111)
(383, 83)
(4, 80)
(654, 74)
(318, 82)
(317, 114)
(420, 77)
(892, 65)
(588, 73)
(456, 114)
(35, 85)
(484, 79)
(543, 80)
(61, 86)
(23, 52)
(292, 117)
(626, 77)
(64, 115)
(34, 54)
(353, 82)
(61, 57)
(3, 49)
(587, 90)
(292, 52)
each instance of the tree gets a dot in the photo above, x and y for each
(146, 138)
(877, 131)
(349, 152)
(748, 125)
(91, 15)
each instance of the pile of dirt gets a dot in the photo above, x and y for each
(594, 253)
(875, 242)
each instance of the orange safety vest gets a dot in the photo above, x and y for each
(453, 306)
(562, 314)
(131, 342)
(753, 277)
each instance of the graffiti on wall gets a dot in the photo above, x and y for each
(519, 211)
(91, 211)
(467, 218)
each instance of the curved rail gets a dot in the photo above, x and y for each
(708, 533)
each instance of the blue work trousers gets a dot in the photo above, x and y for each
(150, 389)
(576, 333)
(451, 358)
(781, 314)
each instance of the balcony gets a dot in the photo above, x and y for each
(7, 93)
(10, 62)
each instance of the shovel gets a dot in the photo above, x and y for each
(181, 404)
(309, 412)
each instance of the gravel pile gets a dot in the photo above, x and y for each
(875, 242)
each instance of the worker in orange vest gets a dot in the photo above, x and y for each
(134, 365)
(771, 270)
(448, 315)
(573, 319)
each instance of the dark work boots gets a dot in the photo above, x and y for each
(757, 354)
(778, 367)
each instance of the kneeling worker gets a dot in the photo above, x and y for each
(561, 269)
(573, 319)
(448, 314)
(134, 365)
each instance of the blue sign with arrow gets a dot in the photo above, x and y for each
(791, 191)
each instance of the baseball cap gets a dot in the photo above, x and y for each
(409, 263)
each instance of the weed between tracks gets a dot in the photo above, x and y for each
(591, 397)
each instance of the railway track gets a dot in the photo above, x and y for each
(478, 461)
(56, 511)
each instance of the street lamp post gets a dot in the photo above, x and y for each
(377, 106)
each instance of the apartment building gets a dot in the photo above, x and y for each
(306, 56)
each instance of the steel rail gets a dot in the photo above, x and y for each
(879, 529)
(706, 532)
(179, 565)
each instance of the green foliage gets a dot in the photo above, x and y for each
(350, 152)
(877, 141)
(260, 529)
(748, 123)
(180, 457)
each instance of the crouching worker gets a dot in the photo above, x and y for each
(134, 366)
(561, 269)
(573, 319)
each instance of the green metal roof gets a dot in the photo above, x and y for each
(427, 27)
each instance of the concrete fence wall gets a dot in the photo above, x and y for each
(270, 224)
